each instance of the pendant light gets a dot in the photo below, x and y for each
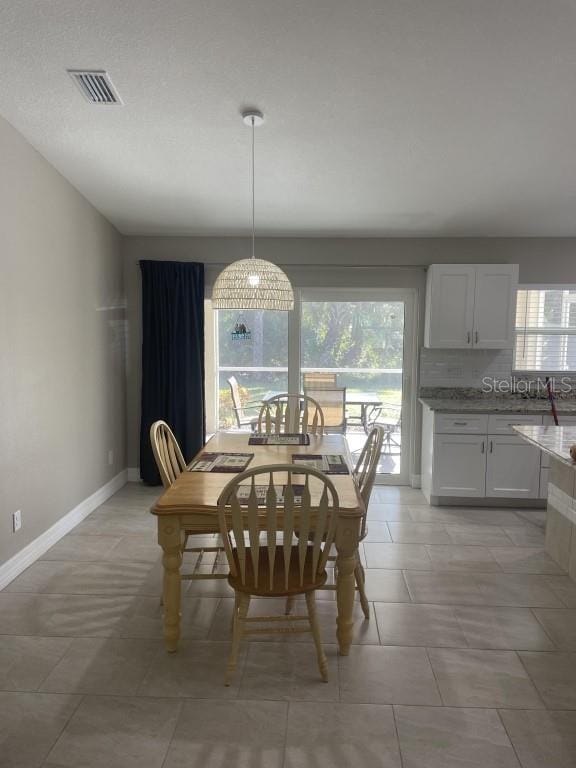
(252, 283)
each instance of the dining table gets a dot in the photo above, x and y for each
(190, 505)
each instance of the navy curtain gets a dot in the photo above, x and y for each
(172, 357)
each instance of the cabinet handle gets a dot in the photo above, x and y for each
(476, 337)
(483, 447)
(491, 447)
(460, 423)
(468, 337)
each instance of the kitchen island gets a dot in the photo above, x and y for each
(561, 501)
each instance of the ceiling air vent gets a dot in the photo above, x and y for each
(96, 86)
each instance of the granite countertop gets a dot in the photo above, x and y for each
(553, 440)
(497, 405)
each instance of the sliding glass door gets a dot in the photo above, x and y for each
(350, 350)
(358, 342)
(252, 355)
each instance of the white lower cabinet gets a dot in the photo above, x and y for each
(512, 468)
(459, 465)
(478, 456)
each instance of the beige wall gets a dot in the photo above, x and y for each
(334, 262)
(62, 326)
(62, 395)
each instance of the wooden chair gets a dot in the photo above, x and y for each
(291, 413)
(317, 380)
(332, 401)
(366, 466)
(242, 418)
(365, 474)
(171, 464)
(259, 542)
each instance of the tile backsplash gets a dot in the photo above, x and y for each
(463, 367)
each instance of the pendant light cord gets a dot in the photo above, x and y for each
(253, 184)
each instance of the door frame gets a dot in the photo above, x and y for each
(409, 363)
(409, 296)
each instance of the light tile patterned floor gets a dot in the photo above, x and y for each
(469, 658)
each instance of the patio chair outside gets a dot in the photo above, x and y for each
(317, 380)
(391, 426)
(333, 404)
(243, 419)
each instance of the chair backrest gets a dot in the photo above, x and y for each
(366, 466)
(291, 413)
(236, 399)
(333, 404)
(317, 380)
(167, 452)
(308, 505)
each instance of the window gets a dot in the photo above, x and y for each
(258, 360)
(546, 329)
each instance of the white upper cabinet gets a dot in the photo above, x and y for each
(450, 305)
(495, 306)
(471, 306)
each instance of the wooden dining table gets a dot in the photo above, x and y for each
(191, 504)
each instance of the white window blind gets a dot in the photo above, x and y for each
(546, 329)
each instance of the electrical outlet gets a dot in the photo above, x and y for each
(110, 457)
(16, 520)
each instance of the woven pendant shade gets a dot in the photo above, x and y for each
(252, 284)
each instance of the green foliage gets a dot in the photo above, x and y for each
(367, 334)
(268, 345)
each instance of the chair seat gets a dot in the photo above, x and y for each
(311, 580)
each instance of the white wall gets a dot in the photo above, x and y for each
(334, 262)
(62, 393)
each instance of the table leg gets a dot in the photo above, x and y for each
(347, 535)
(170, 539)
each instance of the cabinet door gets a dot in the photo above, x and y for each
(459, 465)
(512, 468)
(450, 306)
(495, 306)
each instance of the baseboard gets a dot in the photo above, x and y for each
(485, 501)
(133, 474)
(31, 552)
(416, 481)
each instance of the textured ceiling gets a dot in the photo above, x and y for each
(383, 117)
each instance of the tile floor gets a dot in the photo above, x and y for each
(469, 658)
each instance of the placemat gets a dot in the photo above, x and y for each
(329, 463)
(221, 462)
(288, 438)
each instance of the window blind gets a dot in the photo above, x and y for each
(545, 329)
